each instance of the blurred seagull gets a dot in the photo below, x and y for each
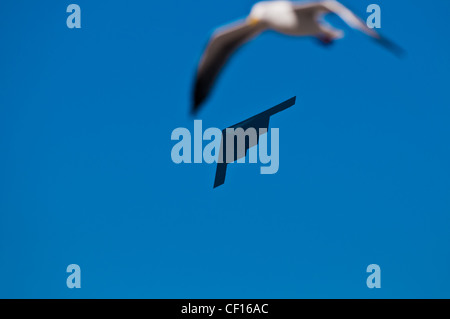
(291, 18)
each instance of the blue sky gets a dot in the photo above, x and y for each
(86, 175)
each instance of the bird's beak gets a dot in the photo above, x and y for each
(252, 21)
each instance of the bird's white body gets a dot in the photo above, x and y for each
(282, 16)
(277, 15)
(296, 19)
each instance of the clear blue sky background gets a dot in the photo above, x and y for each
(86, 175)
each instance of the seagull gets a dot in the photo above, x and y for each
(286, 17)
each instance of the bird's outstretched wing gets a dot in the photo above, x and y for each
(332, 6)
(220, 47)
(348, 17)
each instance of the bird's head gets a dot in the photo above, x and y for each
(257, 14)
(271, 12)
